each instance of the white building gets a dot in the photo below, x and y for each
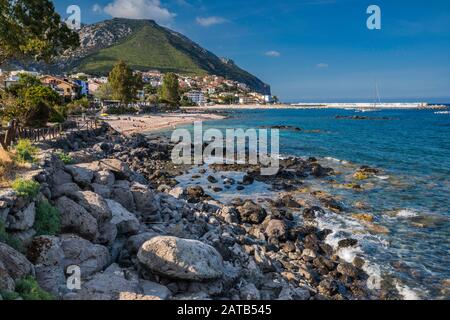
(196, 97)
(247, 100)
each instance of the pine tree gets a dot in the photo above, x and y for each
(170, 89)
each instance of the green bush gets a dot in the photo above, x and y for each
(10, 241)
(64, 157)
(26, 188)
(29, 289)
(48, 220)
(25, 150)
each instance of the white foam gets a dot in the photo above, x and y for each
(406, 292)
(407, 213)
(383, 177)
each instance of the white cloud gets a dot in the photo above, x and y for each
(210, 21)
(322, 65)
(97, 8)
(274, 54)
(140, 9)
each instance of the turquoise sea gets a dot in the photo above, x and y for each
(409, 198)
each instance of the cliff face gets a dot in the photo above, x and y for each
(145, 45)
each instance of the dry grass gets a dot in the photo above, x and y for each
(9, 167)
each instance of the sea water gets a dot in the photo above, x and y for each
(409, 198)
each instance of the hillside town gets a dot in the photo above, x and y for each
(195, 90)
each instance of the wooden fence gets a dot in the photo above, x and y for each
(14, 131)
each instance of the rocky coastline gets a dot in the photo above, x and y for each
(136, 234)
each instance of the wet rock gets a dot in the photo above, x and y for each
(346, 243)
(347, 269)
(212, 179)
(195, 193)
(251, 213)
(312, 212)
(181, 259)
(248, 180)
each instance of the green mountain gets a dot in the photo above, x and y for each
(145, 45)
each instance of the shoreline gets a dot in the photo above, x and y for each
(131, 124)
(319, 106)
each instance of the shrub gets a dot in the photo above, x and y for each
(48, 220)
(10, 241)
(64, 157)
(25, 150)
(29, 289)
(26, 188)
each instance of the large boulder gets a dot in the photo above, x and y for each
(112, 284)
(104, 177)
(60, 177)
(14, 263)
(144, 199)
(6, 282)
(76, 219)
(181, 259)
(82, 174)
(251, 213)
(94, 204)
(120, 169)
(121, 193)
(22, 220)
(91, 258)
(126, 222)
(66, 189)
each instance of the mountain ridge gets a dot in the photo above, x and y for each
(145, 45)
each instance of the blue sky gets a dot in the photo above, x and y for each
(312, 50)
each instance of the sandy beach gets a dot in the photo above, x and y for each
(130, 124)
